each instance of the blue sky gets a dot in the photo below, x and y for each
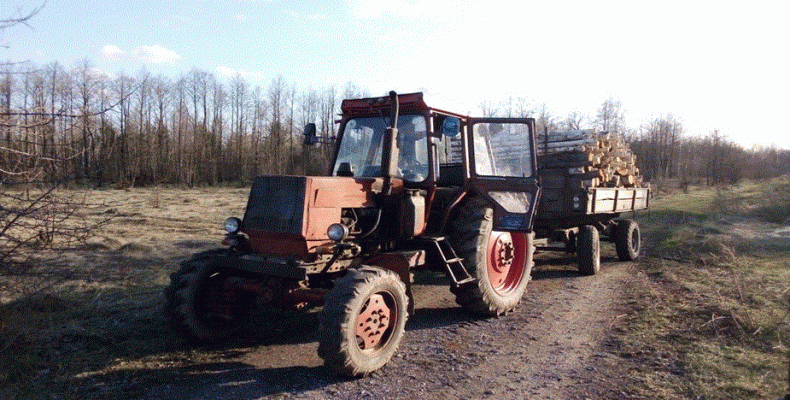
(714, 64)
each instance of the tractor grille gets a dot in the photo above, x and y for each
(276, 204)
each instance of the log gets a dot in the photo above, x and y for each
(588, 159)
(566, 143)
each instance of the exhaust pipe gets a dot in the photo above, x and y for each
(391, 151)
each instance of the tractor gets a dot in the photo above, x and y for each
(412, 188)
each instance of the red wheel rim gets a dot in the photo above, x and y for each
(506, 257)
(376, 321)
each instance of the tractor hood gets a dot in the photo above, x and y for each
(289, 215)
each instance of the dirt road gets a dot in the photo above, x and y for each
(552, 346)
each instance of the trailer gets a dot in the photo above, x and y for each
(574, 216)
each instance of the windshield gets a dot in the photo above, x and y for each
(361, 144)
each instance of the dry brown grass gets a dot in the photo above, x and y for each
(82, 307)
(709, 315)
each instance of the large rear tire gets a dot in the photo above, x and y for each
(363, 321)
(198, 305)
(588, 250)
(627, 240)
(500, 262)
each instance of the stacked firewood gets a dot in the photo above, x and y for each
(595, 159)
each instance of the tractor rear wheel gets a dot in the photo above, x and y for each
(198, 302)
(588, 250)
(627, 239)
(500, 262)
(363, 321)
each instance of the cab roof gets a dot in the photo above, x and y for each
(376, 105)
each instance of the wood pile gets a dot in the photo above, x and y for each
(591, 159)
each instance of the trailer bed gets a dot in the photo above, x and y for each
(562, 208)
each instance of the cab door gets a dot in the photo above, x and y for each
(503, 168)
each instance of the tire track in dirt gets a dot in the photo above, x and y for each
(547, 348)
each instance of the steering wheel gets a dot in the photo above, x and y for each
(413, 171)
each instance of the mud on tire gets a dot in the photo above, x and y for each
(196, 305)
(500, 262)
(363, 321)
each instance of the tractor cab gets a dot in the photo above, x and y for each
(443, 154)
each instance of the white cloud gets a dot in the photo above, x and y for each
(371, 9)
(439, 11)
(155, 54)
(241, 17)
(100, 73)
(229, 72)
(112, 51)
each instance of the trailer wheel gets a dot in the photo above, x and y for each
(363, 321)
(627, 239)
(500, 262)
(198, 304)
(588, 251)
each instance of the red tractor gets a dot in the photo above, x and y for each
(411, 188)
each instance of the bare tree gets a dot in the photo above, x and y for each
(327, 107)
(308, 112)
(610, 116)
(545, 120)
(218, 100)
(523, 107)
(21, 16)
(276, 97)
(574, 121)
(34, 217)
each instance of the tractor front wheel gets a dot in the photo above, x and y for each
(363, 321)
(199, 305)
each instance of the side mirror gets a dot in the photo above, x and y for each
(310, 134)
(451, 126)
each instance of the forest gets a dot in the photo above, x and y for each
(79, 126)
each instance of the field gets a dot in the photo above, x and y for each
(710, 302)
(705, 314)
(98, 304)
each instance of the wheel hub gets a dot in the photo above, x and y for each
(373, 322)
(505, 255)
(502, 253)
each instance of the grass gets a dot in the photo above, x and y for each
(711, 299)
(709, 305)
(48, 339)
(96, 309)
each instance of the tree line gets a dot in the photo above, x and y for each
(663, 148)
(78, 125)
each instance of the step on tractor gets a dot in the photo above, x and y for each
(411, 188)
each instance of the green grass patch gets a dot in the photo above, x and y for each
(711, 299)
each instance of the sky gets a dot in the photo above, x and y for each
(711, 64)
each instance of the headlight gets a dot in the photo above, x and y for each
(232, 225)
(337, 232)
